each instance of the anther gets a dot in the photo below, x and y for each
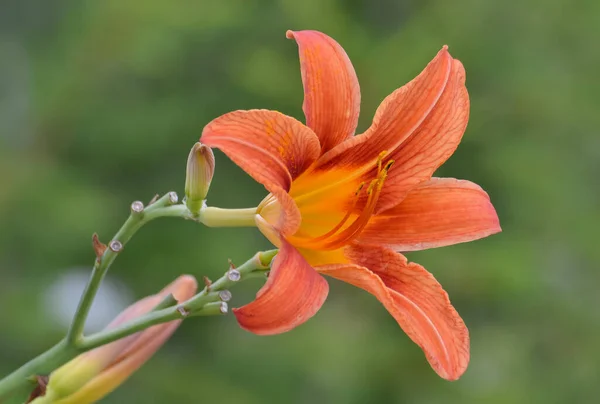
(224, 308)
(360, 187)
(115, 246)
(380, 159)
(343, 233)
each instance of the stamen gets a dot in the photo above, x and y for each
(380, 159)
(344, 219)
(358, 173)
(361, 221)
(372, 185)
(360, 187)
(331, 240)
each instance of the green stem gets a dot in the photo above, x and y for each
(41, 365)
(71, 345)
(136, 220)
(217, 217)
(195, 306)
(204, 303)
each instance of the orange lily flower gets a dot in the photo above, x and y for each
(94, 374)
(343, 205)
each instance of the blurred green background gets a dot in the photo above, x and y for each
(100, 102)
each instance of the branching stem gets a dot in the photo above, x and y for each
(206, 302)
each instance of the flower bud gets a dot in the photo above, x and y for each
(199, 173)
(92, 375)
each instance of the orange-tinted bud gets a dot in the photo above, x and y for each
(94, 374)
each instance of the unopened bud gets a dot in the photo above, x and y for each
(199, 174)
(90, 376)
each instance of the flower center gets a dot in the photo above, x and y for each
(353, 222)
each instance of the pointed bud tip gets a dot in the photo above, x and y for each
(182, 288)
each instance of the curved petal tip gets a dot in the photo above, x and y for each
(331, 90)
(415, 299)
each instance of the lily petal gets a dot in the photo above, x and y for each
(271, 147)
(109, 353)
(417, 158)
(397, 118)
(438, 212)
(415, 299)
(281, 216)
(293, 293)
(331, 89)
(182, 289)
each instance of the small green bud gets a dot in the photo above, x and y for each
(199, 173)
